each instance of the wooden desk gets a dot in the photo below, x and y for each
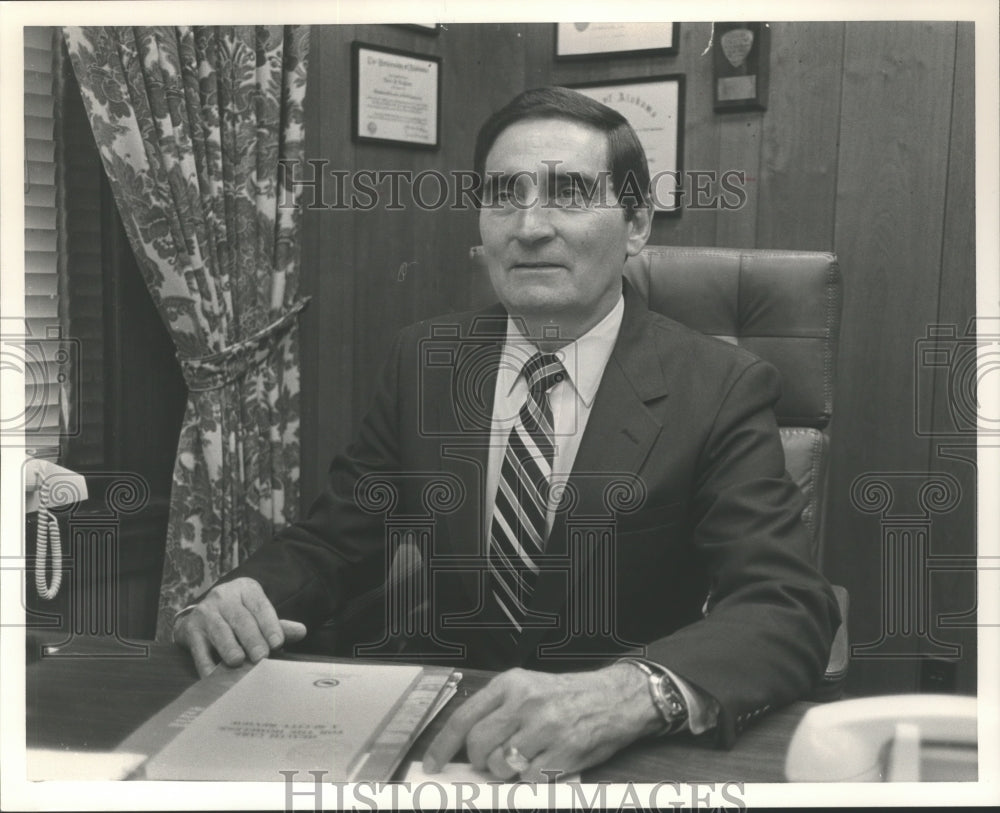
(96, 698)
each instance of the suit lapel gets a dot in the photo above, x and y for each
(619, 435)
(464, 405)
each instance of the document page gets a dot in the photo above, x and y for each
(287, 715)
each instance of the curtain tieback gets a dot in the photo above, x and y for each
(217, 370)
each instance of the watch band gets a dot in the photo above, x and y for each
(665, 696)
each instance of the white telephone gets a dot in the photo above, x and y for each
(46, 486)
(895, 738)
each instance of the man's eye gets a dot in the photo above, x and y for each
(500, 195)
(569, 195)
(509, 195)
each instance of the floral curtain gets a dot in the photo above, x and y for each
(191, 123)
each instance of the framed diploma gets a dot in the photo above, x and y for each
(741, 58)
(396, 97)
(654, 107)
(589, 40)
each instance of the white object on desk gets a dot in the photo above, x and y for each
(295, 715)
(874, 739)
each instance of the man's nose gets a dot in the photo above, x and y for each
(534, 221)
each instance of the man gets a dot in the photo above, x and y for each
(569, 388)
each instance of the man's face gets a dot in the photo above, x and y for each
(553, 256)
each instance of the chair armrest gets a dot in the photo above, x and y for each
(831, 687)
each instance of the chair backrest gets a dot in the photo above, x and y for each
(783, 306)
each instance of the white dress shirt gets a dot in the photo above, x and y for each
(571, 401)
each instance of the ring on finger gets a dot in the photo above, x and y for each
(515, 759)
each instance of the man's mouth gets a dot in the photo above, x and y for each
(537, 265)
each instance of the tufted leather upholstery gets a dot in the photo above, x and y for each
(783, 306)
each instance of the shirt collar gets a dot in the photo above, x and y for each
(584, 359)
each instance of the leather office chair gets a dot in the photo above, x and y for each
(783, 306)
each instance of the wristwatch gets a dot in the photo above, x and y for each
(665, 696)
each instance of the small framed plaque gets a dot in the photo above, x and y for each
(594, 40)
(396, 97)
(742, 60)
(654, 106)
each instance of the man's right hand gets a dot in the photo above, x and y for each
(236, 621)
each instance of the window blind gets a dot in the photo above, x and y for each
(45, 352)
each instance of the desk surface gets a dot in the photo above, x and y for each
(92, 694)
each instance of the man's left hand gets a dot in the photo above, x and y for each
(557, 722)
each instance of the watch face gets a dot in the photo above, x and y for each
(672, 703)
(665, 696)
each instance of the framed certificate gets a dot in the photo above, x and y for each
(654, 106)
(589, 40)
(396, 97)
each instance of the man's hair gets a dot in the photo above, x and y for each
(626, 157)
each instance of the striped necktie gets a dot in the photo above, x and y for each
(518, 530)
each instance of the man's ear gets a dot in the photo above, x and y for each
(638, 229)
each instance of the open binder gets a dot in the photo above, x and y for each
(351, 720)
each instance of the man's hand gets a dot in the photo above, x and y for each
(559, 723)
(237, 621)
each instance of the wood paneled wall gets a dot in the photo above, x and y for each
(866, 149)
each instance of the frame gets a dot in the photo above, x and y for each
(654, 106)
(741, 59)
(596, 40)
(395, 97)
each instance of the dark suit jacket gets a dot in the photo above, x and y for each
(682, 423)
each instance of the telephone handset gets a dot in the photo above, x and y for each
(887, 738)
(47, 485)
